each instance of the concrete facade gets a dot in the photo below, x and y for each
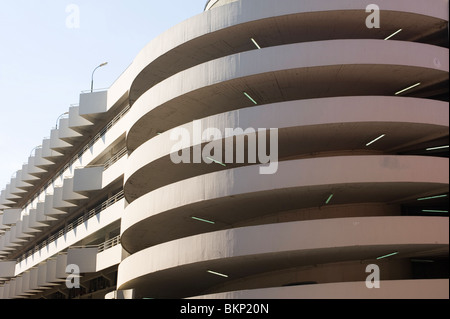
(360, 179)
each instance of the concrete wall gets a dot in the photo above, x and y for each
(398, 289)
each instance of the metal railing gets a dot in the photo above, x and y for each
(104, 130)
(109, 244)
(81, 152)
(92, 213)
(103, 246)
(115, 158)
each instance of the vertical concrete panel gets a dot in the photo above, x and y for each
(19, 282)
(93, 103)
(61, 264)
(42, 275)
(51, 271)
(7, 269)
(26, 281)
(11, 216)
(84, 258)
(87, 179)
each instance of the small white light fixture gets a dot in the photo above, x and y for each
(216, 161)
(203, 220)
(398, 31)
(437, 148)
(432, 197)
(379, 137)
(217, 274)
(250, 98)
(329, 199)
(434, 211)
(388, 255)
(257, 45)
(408, 88)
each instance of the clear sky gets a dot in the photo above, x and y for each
(48, 50)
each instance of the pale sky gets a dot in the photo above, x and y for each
(47, 56)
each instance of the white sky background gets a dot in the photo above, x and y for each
(45, 62)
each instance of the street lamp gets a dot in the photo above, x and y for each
(57, 120)
(31, 153)
(92, 78)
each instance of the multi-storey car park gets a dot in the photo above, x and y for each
(362, 173)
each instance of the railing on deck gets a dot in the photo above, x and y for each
(93, 212)
(81, 152)
(109, 244)
(115, 158)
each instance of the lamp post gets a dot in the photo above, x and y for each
(92, 78)
(31, 153)
(57, 120)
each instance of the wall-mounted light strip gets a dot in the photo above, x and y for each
(408, 88)
(217, 273)
(215, 161)
(432, 197)
(437, 148)
(434, 211)
(257, 45)
(250, 98)
(379, 137)
(398, 31)
(203, 220)
(388, 255)
(329, 199)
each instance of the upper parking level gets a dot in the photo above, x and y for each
(231, 29)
